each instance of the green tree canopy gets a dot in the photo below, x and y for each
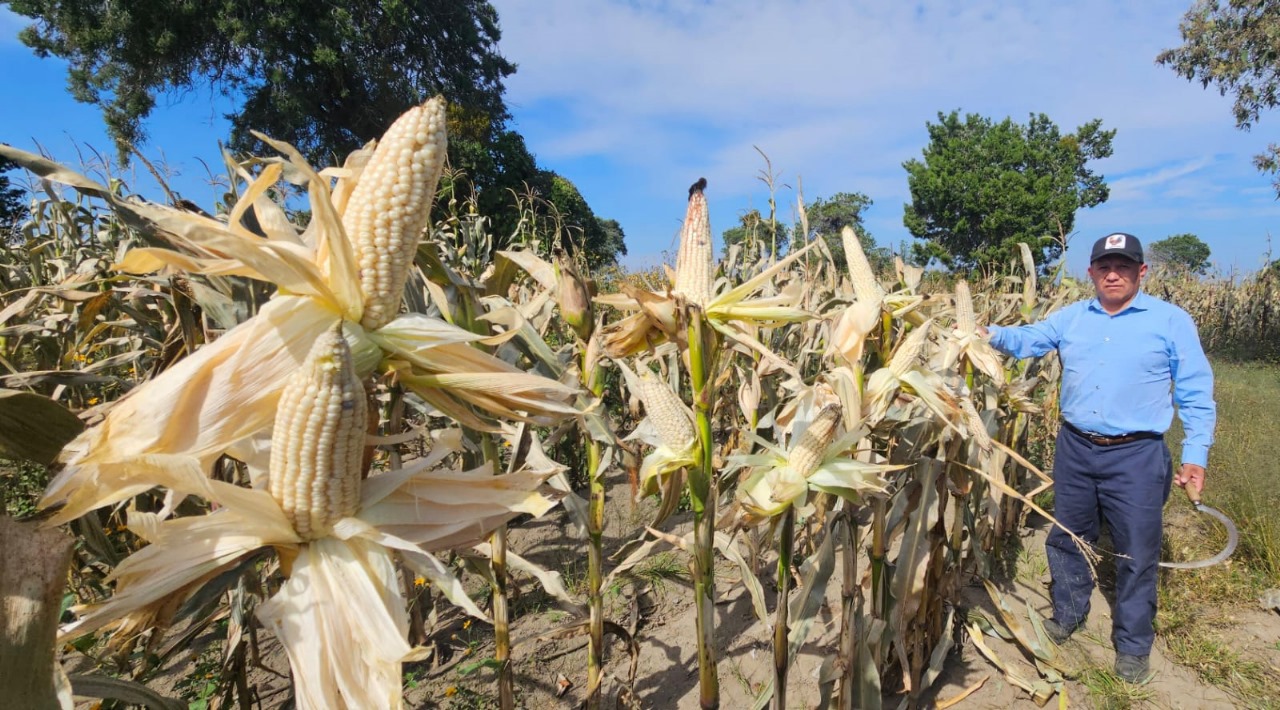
(613, 242)
(827, 217)
(326, 77)
(1234, 46)
(1180, 251)
(11, 207)
(755, 231)
(601, 241)
(982, 187)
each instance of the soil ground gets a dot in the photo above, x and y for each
(655, 607)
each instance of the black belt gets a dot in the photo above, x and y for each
(1100, 440)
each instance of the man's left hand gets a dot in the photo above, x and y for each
(1191, 478)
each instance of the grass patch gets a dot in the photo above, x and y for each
(662, 568)
(1195, 605)
(1241, 474)
(1031, 566)
(1242, 463)
(1108, 692)
(21, 484)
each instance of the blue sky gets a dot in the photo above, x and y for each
(633, 101)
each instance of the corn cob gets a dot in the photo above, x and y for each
(391, 205)
(812, 443)
(965, 321)
(865, 285)
(973, 422)
(694, 277)
(1029, 278)
(317, 445)
(908, 353)
(669, 416)
(573, 295)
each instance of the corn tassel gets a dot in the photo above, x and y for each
(317, 445)
(391, 205)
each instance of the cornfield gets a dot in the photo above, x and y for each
(322, 432)
(1237, 316)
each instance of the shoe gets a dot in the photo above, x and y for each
(1059, 633)
(1134, 669)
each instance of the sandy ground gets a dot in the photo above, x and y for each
(657, 610)
(550, 653)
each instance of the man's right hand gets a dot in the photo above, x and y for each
(1191, 478)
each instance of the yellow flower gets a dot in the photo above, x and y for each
(451, 691)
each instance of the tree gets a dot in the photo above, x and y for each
(11, 208)
(982, 187)
(602, 241)
(1181, 251)
(613, 240)
(754, 231)
(1234, 47)
(827, 217)
(326, 78)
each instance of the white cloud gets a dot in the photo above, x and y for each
(838, 94)
(1137, 187)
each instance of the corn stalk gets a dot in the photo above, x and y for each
(703, 352)
(593, 381)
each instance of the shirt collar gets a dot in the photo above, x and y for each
(1140, 302)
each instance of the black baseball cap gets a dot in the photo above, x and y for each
(1125, 245)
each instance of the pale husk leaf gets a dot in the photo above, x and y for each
(222, 393)
(343, 595)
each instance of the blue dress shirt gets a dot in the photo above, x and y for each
(1117, 369)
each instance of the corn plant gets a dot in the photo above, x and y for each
(848, 419)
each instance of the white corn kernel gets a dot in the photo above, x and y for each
(317, 445)
(391, 205)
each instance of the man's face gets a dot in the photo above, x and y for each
(1116, 279)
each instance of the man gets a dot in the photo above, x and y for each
(1120, 352)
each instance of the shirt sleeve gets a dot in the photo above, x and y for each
(1028, 340)
(1192, 390)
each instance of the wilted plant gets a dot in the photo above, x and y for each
(319, 280)
(859, 424)
(335, 535)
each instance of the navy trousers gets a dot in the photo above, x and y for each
(1126, 485)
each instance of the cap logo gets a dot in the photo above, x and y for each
(1115, 241)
